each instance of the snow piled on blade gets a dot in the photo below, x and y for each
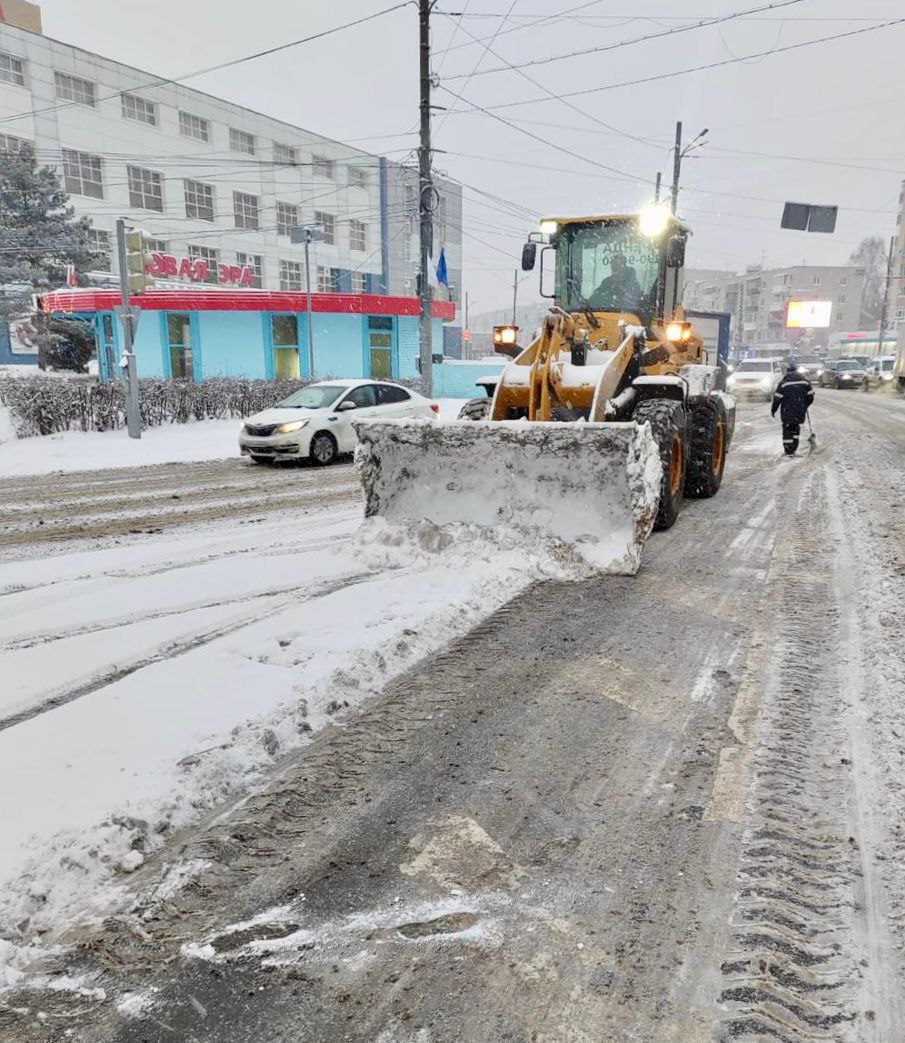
(589, 487)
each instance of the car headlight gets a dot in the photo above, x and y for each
(293, 425)
(766, 382)
(846, 376)
(819, 373)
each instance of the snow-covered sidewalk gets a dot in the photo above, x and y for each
(148, 682)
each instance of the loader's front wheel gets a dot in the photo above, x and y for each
(709, 439)
(667, 422)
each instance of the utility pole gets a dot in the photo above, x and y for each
(657, 187)
(307, 235)
(133, 413)
(515, 298)
(677, 166)
(884, 314)
(425, 198)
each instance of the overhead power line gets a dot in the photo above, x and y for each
(675, 31)
(166, 80)
(697, 68)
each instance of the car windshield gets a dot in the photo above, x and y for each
(846, 364)
(755, 367)
(886, 365)
(608, 267)
(809, 360)
(317, 396)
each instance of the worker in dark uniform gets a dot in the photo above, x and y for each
(793, 397)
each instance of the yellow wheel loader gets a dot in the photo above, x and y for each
(597, 429)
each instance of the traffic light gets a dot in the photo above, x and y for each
(138, 260)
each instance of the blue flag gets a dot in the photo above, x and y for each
(442, 276)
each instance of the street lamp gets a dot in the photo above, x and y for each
(308, 234)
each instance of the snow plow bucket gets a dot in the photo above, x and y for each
(591, 486)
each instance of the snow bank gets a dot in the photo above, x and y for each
(591, 487)
(180, 705)
(7, 430)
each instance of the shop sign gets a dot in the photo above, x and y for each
(166, 266)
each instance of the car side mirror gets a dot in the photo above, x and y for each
(344, 407)
(529, 255)
(675, 252)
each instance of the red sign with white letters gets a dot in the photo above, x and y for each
(167, 266)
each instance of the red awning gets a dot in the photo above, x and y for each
(185, 299)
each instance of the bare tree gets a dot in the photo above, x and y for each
(871, 256)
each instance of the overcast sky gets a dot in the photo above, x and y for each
(837, 108)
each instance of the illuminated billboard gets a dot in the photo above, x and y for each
(809, 315)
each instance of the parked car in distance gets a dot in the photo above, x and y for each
(810, 365)
(315, 423)
(755, 378)
(880, 373)
(843, 373)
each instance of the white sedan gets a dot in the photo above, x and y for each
(315, 423)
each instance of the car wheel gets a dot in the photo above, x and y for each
(323, 449)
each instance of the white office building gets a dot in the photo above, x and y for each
(214, 182)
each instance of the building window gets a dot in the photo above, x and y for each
(440, 220)
(321, 166)
(326, 280)
(241, 141)
(100, 243)
(157, 246)
(199, 200)
(408, 253)
(328, 225)
(840, 317)
(410, 204)
(82, 174)
(179, 340)
(145, 189)
(358, 177)
(74, 88)
(358, 235)
(10, 144)
(245, 208)
(840, 299)
(194, 127)
(900, 313)
(843, 280)
(211, 258)
(255, 263)
(287, 364)
(285, 155)
(12, 70)
(359, 282)
(135, 108)
(816, 280)
(287, 218)
(290, 275)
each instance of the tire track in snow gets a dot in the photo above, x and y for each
(171, 650)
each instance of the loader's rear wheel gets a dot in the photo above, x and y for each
(475, 409)
(667, 422)
(709, 430)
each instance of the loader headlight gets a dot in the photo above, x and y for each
(505, 334)
(678, 332)
(654, 219)
(549, 227)
(294, 425)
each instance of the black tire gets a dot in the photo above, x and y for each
(709, 436)
(323, 450)
(667, 422)
(265, 460)
(475, 409)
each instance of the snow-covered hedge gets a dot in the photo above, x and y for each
(43, 405)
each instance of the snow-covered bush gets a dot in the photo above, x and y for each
(44, 405)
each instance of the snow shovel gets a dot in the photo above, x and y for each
(812, 438)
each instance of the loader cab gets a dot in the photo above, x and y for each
(627, 265)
